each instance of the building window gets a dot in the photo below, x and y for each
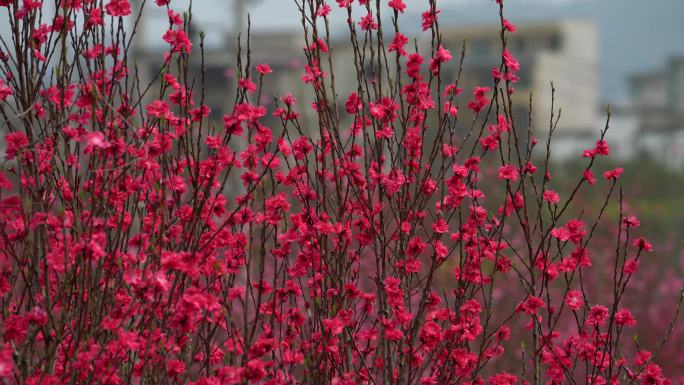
(153, 70)
(554, 42)
(481, 47)
(520, 46)
(484, 75)
(216, 111)
(448, 74)
(215, 76)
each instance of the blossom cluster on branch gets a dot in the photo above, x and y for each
(144, 240)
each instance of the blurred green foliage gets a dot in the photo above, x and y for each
(652, 192)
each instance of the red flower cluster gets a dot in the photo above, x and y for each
(142, 243)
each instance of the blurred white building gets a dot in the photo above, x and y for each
(658, 103)
(565, 52)
(650, 124)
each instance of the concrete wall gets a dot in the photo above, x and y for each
(565, 52)
(573, 68)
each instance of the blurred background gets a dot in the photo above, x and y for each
(626, 54)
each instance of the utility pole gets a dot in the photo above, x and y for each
(140, 35)
(240, 15)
